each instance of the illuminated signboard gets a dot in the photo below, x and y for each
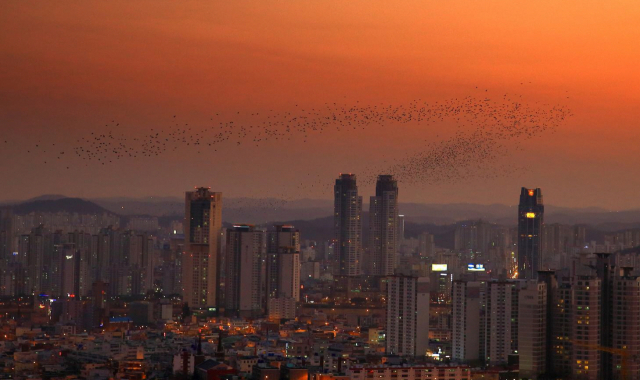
(475, 267)
(531, 215)
(438, 267)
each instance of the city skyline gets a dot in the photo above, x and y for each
(319, 190)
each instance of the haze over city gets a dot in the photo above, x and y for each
(71, 70)
(319, 190)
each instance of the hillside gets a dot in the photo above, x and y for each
(69, 205)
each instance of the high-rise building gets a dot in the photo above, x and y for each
(561, 326)
(348, 225)
(6, 235)
(82, 244)
(245, 252)
(407, 316)
(501, 331)
(532, 329)
(530, 220)
(586, 327)
(283, 272)
(34, 254)
(467, 305)
(383, 227)
(426, 246)
(289, 274)
(69, 271)
(7, 258)
(594, 316)
(401, 229)
(625, 326)
(202, 227)
(284, 236)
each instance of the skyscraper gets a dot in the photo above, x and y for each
(202, 226)
(467, 304)
(283, 236)
(501, 321)
(530, 220)
(245, 251)
(348, 225)
(586, 327)
(532, 329)
(283, 304)
(384, 227)
(426, 245)
(283, 272)
(625, 326)
(407, 316)
(6, 235)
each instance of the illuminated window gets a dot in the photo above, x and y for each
(531, 215)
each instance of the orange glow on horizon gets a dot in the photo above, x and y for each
(64, 69)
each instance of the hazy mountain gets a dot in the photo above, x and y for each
(69, 205)
(267, 210)
(235, 209)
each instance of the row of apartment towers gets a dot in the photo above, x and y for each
(386, 229)
(203, 262)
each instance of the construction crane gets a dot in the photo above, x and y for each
(622, 352)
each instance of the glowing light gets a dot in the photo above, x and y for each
(531, 193)
(531, 215)
(475, 267)
(439, 267)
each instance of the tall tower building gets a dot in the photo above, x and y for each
(245, 251)
(467, 305)
(202, 227)
(407, 316)
(284, 236)
(384, 227)
(283, 272)
(625, 327)
(69, 271)
(532, 329)
(501, 315)
(586, 327)
(348, 225)
(289, 274)
(426, 245)
(530, 220)
(6, 235)
(7, 273)
(283, 304)
(561, 326)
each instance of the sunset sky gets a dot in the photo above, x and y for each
(70, 67)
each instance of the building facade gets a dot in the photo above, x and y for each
(407, 316)
(348, 225)
(384, 228)
(200, 264)
(245, 252)
(530, 220)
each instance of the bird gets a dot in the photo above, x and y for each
(464, 136)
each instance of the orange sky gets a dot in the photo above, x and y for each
(66, 66)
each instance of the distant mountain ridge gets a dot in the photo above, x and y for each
(267, 210)
(69, 205)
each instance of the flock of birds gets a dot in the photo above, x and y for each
(492, 128)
